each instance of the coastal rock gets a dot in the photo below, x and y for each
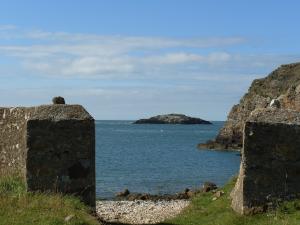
(282, 86)
(185, 194)
(218, 194)
(209, 186)
(124, 193)
(172, 119)
(147, 197)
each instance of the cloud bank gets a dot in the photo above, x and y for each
(97, 56)
(130, 75)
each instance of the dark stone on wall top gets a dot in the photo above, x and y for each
(58, 100)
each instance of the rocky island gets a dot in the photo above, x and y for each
(281, 87)
(172, 119)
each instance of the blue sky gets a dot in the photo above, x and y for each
(127, 59)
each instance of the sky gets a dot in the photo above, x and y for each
(131, 59)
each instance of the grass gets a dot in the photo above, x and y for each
(18, 207)
(204, 211)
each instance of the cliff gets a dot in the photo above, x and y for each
(172, 119)
(282, 84)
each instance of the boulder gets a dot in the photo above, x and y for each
(185, 194)
(124, 193)
(209, 186)
(218, 194)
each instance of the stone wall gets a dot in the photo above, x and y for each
(52, 147)
(12, 142)
(270, 166)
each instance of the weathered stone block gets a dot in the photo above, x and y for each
(52, 147)
(270, 166)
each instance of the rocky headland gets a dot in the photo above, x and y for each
(172, 119)
(281, 88)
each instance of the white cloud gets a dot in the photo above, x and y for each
(172, 58)
(89, 65)
(68, 55)
(89, 55)
(133, 41)
(97, 65)
(7, 27)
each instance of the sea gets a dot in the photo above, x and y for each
(158, 159)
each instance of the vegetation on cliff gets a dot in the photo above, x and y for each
(282, 84)
(19, 207)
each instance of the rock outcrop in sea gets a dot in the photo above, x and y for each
(281, 89)
(172, 119)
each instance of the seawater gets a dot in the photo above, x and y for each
(158, 159)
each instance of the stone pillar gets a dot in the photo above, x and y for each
(52, 147)
(270, 166)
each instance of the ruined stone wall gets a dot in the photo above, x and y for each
(12, 141)
(270, 166)
(53, 146)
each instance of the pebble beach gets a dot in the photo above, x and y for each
(139, 211)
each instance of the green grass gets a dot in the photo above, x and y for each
(18, 207)
(204, 211)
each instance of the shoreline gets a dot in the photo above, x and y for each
(139, 211)
(187, 193)
(137, 208)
